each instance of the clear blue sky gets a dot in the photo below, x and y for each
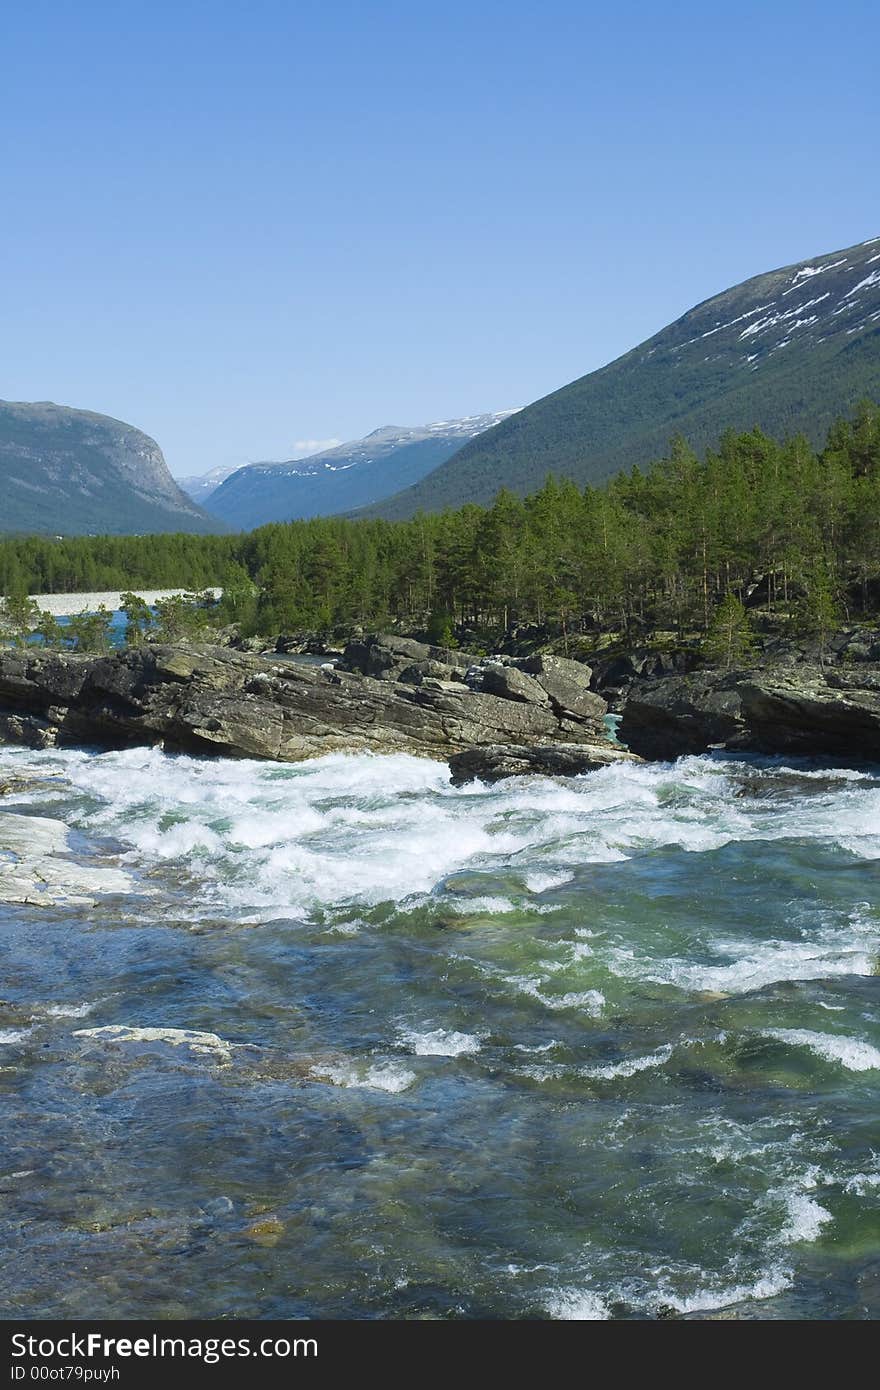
(240, 226)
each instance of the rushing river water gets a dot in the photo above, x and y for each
(601, 1047)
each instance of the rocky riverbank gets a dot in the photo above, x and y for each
(489, 717)
(387, 695)
(798, 710)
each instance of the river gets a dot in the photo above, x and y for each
(348, 1042)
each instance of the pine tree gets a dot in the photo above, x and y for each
(819, 613)
(19, 616)
(730, 639)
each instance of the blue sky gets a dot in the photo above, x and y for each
(241, 226)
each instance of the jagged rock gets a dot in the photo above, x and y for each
(797, 710)
(551, 683)
(512, 684)
(646, 663)
(213, 699)
(495, 762)
(544, 664)
(195, 1041)
(253, 644)
(567, 683)
(419, 671)
(26, 729)
(389, 657)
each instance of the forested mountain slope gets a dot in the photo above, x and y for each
(788, 351)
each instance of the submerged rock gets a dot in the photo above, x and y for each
(195, 1041)
(36, 869)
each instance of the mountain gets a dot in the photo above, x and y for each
(72, 472)
(789, 351)
(351, 475)
(199, 488)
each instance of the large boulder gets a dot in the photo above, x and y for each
(389, 657)
(567, 684)
(510, 683)
(795, 710)
(552, 683)
(495, 762)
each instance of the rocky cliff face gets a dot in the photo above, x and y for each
(72, 472)
(394, 696)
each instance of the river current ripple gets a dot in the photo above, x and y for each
(356, 1043)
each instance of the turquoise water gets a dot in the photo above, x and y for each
(378, 1047)
(116, 630)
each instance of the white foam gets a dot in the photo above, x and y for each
(8, 1036)
(862, 1183)
(842, 946)
(851, 1053)
(540, 882)
(259, 839)
(774, 1281)
(487, 906)
(590, 1001)
(632, 1065)
(439, 1042)
(66, 1010)
(806, 1219)
(387, 1076)
(545, 1073)
(576, 1305)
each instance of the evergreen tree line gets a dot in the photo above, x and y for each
(663, 548)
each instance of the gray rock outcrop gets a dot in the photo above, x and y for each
(493, 762)
(212, 699)
(798, 710)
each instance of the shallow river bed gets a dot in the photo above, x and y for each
(340, 1040)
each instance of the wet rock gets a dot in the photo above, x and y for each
(199, 1043)
(265, 1230)
(36, 868)
(26, 729)
(494, 763)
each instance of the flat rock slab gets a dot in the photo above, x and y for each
(36, 868)
(200, 1043)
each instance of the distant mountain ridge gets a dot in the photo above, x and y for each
(73, 472)
(788, 350)
(200, 486)
(348, 476)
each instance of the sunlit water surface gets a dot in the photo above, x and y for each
(604, 1047)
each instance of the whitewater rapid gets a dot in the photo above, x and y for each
(595, 1047)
